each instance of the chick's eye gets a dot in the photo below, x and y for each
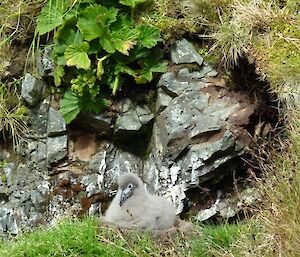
(130, 186)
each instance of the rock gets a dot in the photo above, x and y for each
(47, 141)
(172, 86)
(131, 117)
(185, 75)
(8, 221)
(99, 123)
(108, 165)
(133, 128)
(175, 85)
(56, 148)
(9, 169)
(56, 125)
(38, 119)
(184, 52)
(163, 100)
(37, 151)
(231, 206)
(194, 138)
(24, 195)
(32, 89)
(45, 63)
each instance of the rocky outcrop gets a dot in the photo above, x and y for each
(194, 134)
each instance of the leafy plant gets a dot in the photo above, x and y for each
(98, 45)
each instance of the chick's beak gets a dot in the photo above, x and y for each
(126, 193)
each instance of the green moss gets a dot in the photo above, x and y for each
(279, 59)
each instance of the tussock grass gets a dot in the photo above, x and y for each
(266, 32)
(84, 238)
(275, 229)
(12, 113)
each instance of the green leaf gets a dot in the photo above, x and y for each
(122, 68)
(132, 3)
(148, 36)
(146, 74)
(115, 84)
(76, 55)
(51, 16)
(100, 69)
(59, 72)
(63, 38)
(106, 41)
(70, 106)
(95, 20)
(124, 34)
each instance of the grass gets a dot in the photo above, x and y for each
(264, 31)
(12, 113)
(84, 238)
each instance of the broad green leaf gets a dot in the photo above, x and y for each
(76, 55)
(95, 20)
(106, 41)
(132, 3)
(148, 36)
(51, 16)
(70, 106)
(66, 36)
(146, 74)
(124, 34)
(63, 38)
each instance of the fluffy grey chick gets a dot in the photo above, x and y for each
(134, 207)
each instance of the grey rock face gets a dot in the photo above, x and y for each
(32, 89)
(45, 63)
(193, 139)
(230, 207)
(47, 141)
(56, 148)
(131, 117)
(27, 193)
(184, 52)
(8, 221)
(108, 164)
(56, 124)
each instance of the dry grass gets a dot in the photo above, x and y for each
(275, 229)
(12, 113)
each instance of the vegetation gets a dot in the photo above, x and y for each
(12, 113)
(17, 25)
(91, 54)
(85, 238)
(97, 45)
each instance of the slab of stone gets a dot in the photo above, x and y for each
(8, 222)
(132, 117)
(184, 52)
(56, 124)
(56, 148)
(163, 100)
(32, 89)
